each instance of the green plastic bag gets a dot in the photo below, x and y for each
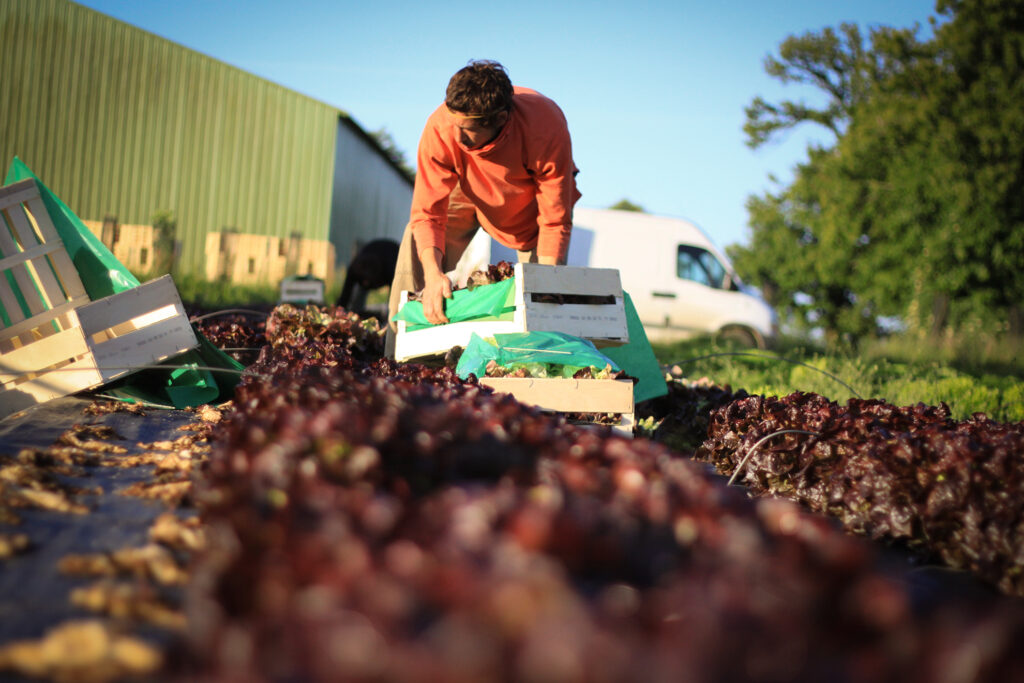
(568, 353)
(474, 359)
(485, 302)
(637, 358)
(203, 375)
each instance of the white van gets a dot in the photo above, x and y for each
(680, 283)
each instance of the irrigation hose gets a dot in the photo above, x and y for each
(244, 372)
(226, 311)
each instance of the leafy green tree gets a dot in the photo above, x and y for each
(165, 243)
(932, 166)
(983, 46)
(805, 267)
(804, 253)
(916, 210)
(395, 153)
(626, 205)
(839, 64)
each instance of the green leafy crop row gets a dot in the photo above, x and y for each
(840, 376)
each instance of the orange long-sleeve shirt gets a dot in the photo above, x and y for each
(522, 183)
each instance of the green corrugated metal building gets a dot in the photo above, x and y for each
(119, 122)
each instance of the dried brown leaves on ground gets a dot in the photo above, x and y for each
(101, 407)
(153, 562)
(138, 585)
(136, 601)
(13, 544)
(85, 651)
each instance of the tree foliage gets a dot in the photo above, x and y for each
(917, 210)
(840, 65)
(165, 243)
(391, 149)
(626, 205)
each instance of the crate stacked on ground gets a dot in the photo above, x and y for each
(589, 396)
(54, 340)
(583, 302)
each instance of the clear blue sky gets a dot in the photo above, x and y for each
(654, 91)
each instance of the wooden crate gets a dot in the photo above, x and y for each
(65, 343)
(604, 324)
(301, 291)
(135, 328)
(572, 396)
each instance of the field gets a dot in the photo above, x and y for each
(350, 518)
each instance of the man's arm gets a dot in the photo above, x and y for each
(437, 287)
(556, 194)
(435, 180)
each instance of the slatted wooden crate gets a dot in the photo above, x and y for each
(135, 328)
(572, 396)
(54, 341)
(546, 299)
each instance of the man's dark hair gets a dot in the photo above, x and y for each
(480, 87)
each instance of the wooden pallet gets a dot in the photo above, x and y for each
(55, 341)
(604, 324)
(572, 396)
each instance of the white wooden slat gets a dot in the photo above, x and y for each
(69, 379)
(67, 274)
(575, 280)
(59, 283)
(52, 293)
(42, 354)
(118, 308)
(34, 252)
(17, 193)
(568, 395)
(149, 345)
(8, 247)
(21, 228)
(42, 218)
(29, 289)
(10, 303)
(41, 319)
(19, 271)
(604, 323)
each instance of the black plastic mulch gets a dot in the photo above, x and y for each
(34, 595)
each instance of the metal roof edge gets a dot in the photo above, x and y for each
(347, 119)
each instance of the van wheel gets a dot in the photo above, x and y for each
(739, 336)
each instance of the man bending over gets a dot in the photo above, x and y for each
(492, 156)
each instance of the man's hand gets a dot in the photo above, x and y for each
(436, 288)
(434, 293)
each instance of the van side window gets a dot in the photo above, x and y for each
(699, 265)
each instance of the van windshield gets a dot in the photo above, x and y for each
(699, 265)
